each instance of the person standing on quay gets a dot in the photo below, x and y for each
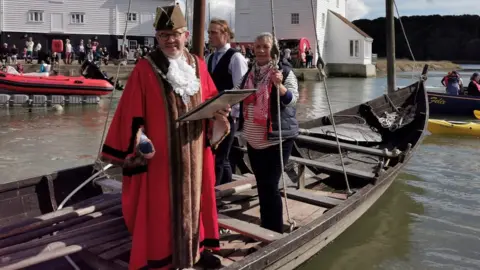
(227, 66)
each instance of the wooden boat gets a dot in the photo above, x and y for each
(90, 230)
(437, 126)
(444, 104)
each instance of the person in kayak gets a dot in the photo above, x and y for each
(168, 194)
(453, 83)
(474, 85)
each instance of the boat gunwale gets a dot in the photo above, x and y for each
(277, 250)
(31, 181)
(465, 97)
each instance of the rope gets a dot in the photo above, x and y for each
(324, 78)
(103, 168)
(100, 173)
(98, 161)
(406, 39)
(276, 59)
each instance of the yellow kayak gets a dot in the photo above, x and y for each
(453, 127)
(477, 114)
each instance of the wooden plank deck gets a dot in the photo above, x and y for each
(239, 211)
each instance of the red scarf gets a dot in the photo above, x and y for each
(259, 77)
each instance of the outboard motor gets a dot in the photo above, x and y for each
(90, 70)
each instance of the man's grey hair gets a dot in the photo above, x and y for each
(267, 35)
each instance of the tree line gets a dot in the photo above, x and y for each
(431, 37)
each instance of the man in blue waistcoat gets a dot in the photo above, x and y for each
(226, 67)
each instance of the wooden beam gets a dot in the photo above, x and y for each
(348, 146)
(311, 198)
(248, 229)
(110, 184)
(241, 183)
(334, 168)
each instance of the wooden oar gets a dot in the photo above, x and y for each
(476, 113)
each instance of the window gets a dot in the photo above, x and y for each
(132, 44)
(132, 17)
(35, 16)
(77, 18)
(295, 19)
(338, 3)
(354, 48)
(149, 41)
(323, 20)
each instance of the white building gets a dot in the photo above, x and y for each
(45, 20)
(344, 47)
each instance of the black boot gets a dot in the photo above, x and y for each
(209, 261)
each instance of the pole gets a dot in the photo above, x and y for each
(390, 31)
(186, 15)
(198, 27)
(209, 11)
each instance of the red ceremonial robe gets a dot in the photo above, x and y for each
(149, 199)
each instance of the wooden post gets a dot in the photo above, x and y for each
(301, 176)
(198, 27)
(390, 31)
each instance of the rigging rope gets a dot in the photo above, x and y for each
(101, 173)
(406, 39)
(324, 79)
(98, 161)
(276, 58)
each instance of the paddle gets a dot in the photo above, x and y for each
(476, 113)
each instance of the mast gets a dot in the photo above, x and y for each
(390, 33)
(198, 27)
(187, 19)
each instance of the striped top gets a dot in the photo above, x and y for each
(255, 133)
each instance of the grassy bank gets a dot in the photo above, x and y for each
(409, 65)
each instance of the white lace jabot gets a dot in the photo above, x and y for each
(183, 79)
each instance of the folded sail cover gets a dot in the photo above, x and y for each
(169, 18)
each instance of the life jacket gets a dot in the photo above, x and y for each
(452, 83)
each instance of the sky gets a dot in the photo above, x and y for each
(371, 9)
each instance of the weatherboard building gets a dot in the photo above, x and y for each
(45, 20)
(346, 49)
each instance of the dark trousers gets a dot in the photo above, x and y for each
(223, 170)
(267, 170)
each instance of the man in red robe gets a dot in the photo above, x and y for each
(168, 196)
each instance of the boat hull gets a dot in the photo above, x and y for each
(316, 244)
(443, 104)
(290, 252)
(53, 85)
(453, 128)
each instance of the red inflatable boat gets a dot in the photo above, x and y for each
(54, 85)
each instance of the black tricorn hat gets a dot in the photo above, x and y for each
(169, 18)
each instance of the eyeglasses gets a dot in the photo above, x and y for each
(175, 35)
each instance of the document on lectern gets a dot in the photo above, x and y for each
(220, 101)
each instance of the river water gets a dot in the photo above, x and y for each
(428, 219)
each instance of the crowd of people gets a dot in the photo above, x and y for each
(171, 168)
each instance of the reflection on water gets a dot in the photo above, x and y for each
(428, 219)
(381, 239)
